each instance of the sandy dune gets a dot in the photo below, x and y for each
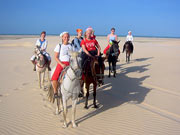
(143, 99)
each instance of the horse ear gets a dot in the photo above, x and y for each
(119, 41)
(114, 41)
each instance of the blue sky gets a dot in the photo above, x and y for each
(142, 17)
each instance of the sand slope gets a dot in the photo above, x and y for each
(143, 99)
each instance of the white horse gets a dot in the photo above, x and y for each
(41, 66)
(69, 87)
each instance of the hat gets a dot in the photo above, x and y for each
(78, 30)
(65, 32)
(89, 28)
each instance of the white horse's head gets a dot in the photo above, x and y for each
(75, 62)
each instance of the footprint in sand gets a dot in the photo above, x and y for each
(25, 84)
(7, 94)
(1, 95)
(16, 89)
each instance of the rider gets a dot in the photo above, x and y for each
(42, 43)
(129, 36)
(76, 42)
(62, 58)
(110, 37)
(90, 47)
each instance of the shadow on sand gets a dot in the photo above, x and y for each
(120, 90)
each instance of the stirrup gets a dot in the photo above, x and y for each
(55, 95)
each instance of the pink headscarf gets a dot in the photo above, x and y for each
(89, 29)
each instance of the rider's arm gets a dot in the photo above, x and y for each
(84, 49)
(56, 54)
(99, 49)
(132, 38)
(116, 38)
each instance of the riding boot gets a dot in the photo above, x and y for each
(49, 68)
(34, 69)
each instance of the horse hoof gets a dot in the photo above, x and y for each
(57, 112)
(64, 125)
(95, 106)
(74, 125)
(109, 76)
(86, 107)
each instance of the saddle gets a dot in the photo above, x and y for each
(62, 75)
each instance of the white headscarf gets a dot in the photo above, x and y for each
(65, 32)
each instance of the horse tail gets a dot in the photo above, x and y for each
(50, 93)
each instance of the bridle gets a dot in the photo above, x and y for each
(75, 71)
(101, 75)
(39, 53)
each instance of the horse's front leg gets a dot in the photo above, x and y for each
(74, 102)
(49, 80)
(94, 95)
(39, 79)
(109, 69)
(64, 112)
(43, 77)
(87, 95)
(126, 56)
(114, 68)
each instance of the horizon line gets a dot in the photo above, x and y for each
(96, 35)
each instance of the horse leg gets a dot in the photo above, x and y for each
(74, 102)
(114, 68)
(109, 69)
(64, 112)
(43, 76)
(128, 57)
(39, 79)
(87, 95)
(94, 95)
(49, 80)
(57, 107)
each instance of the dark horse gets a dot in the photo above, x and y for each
(128, 47)
(112, 55)
(94, 73)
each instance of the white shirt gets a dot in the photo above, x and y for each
(63, 51)
(129, 38)
(42, 44)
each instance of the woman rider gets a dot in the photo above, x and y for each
(76, 42)
(62, 58)
(110, 37)
(90, 47)
(42, 43)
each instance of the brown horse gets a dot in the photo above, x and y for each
(128, 47)
(94, 73)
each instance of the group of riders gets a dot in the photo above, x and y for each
(89, 45)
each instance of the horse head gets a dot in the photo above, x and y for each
(114, 49)
(128, 47)
(38, 53)
(75, 63)
(98, 68)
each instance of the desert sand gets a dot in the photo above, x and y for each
(143, 99)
